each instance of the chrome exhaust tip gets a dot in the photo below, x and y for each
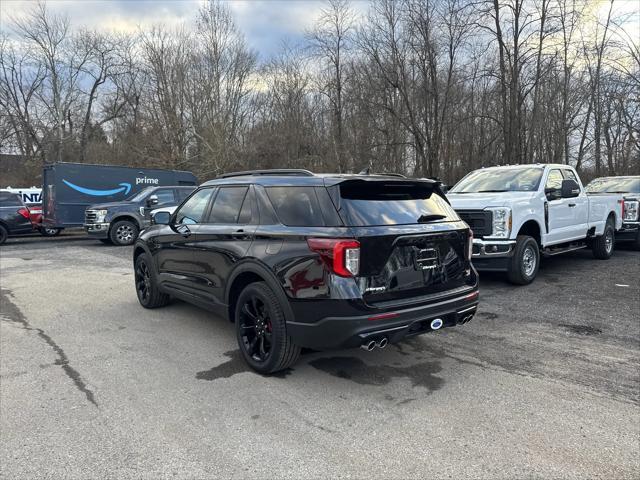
(436, 324)
(382, 343)
(368, 346)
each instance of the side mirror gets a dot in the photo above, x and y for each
(161, 218)
(553, 193)
(570, 188)
(152, 200)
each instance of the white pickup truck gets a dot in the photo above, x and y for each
(627, 189)
(520, 212)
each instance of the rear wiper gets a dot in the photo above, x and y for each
(430, 218)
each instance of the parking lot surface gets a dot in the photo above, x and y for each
(544, 382)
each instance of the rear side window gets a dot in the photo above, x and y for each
(365, 203)
(227, 205)
(8, 199)
(296, 206)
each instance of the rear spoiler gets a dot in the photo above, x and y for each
(333, 185)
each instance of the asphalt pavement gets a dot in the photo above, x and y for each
(543, 383)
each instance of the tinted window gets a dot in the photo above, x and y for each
(184, 192)
(393, 203)
(226, 207)
(165, 196)
(500, 180)
(8, 199)
(554, 180)
(194, 208)
(296, 206)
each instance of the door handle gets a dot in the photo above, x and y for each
(572, 205)
(239, 234)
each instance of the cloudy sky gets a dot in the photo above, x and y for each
(265, 22)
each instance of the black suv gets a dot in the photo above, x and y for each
(14, 216)
(317, 261)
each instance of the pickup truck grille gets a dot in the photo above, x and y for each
(89, 216)
(479, 220)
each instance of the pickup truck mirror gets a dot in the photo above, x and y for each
(553, 193)
(570, 188)
(161, 218)
(152, 200)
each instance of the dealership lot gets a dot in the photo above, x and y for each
(544, 381)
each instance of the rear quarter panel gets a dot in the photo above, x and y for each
(600, 207)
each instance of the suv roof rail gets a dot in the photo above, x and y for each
(392, 174)
(275, 171)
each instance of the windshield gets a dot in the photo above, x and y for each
(614, 185)
(138, 197)
(500, 180)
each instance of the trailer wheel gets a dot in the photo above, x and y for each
(123, 232)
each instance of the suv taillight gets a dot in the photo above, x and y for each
(470, 245)
(342, 256)
(24, 211)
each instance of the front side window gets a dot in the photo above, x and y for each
(227, 205)
(500, 180)
(193, 210)
(165, 196)
(554, 180)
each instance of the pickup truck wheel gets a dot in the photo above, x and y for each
(123, 233)
(149, 295)
(261, 330)
(602, 246)
(525, 261)
(3, 234)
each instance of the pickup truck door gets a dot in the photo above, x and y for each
(560, 214)
(579, 209)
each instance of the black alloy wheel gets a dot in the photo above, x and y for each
(256, 327)
(147, 291)
(261, 330)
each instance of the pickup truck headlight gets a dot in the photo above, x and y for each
(630, 211)
(501, 222)
(100, 215)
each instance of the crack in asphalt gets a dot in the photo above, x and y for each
(12, 313)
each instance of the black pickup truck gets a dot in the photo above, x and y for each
(120, 222)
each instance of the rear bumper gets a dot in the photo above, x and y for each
(97, 230)
(353, 331)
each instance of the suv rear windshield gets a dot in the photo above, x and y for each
(364, 203)
(10, 199)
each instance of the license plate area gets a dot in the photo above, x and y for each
(426, 258)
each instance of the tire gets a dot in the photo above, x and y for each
(106, 241)
(525, 261)
(123, 232)
(149, 295)
(50, 232)
(603, 245)
(3, 234)
(261, 330)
